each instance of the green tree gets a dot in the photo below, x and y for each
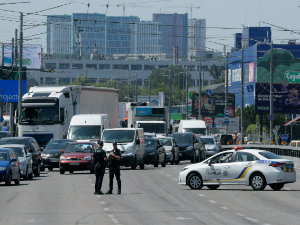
(81, 80)
(215, 72)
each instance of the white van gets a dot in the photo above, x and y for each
(194, 126)
(130, 142)
(88, 127)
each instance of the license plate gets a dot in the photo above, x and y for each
(54, 160)
(74, 163)
(180, 154)
(289, 168)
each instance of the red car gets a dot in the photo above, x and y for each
(77, 157)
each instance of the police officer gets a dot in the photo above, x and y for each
(114, 168)
(99, 160)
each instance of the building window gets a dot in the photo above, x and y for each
(50, 80)
(120, 67)
(92, 80)
(102, 80)
(136, 67)
(91, 66)
(64, 66)
(104, 66)
(190, 68)
(50, 66)
(149, 67)
(163, 66)
(77, 66)
(41, 80)
(64, 80)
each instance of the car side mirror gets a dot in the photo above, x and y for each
(137, 141)
(13, 160)
(62, 151)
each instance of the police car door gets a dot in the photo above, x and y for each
(218, 169)
(241, 165)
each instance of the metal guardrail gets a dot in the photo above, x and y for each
(277, 149)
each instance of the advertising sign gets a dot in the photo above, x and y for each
(285, 99)
(31, 56)
(251, 72)
(292, 76)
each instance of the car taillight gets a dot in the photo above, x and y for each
(277, 164)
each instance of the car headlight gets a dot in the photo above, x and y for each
(87, 158)
(2, 168)
(45, 155)
(152, 153)
(129, 149)
(190, 147)
(62, 158)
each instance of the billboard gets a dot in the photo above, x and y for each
(31, 56)
(286, 100)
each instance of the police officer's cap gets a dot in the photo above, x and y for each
(100, 142)
(115, 143)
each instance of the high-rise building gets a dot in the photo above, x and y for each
(146, 38)
(58, 34)
(197, 36)
(119, 34)
(174, 32)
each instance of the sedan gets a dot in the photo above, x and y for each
(9, 167)
(25, 159)
(212, 146)
(78, 156)
(52, 152)
(251, 167)
(171, 148)
(155, 152)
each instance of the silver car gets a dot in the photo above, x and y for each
(212, 146)
(25, 159)
(171, 148)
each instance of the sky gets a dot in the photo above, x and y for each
(223, 17)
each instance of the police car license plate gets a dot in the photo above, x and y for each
(54, 160)
(289, 168)
(74, 163)
(180, 154)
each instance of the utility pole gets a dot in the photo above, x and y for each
(242, 95)
(128, 85)
(187, 94)
(149, 86)
(136, 89)
(16, 47)
(271, 91)
(12, 52)
(169, 99)
(121, 92)
(20, 64)
(199, 112)
(226, 92)
(2, 64)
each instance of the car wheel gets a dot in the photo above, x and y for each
(71, 171)
(42, 168)
(173, 160)
(8, 182)
(195, 181)
(30, 176)
(61, 171)
(193, 159)
(258, 182)
(50, 169)
(37, 171)
(164, 163)
(276, 187)
(17, 181)
(213, 187)
(156, 161)
(133, 167)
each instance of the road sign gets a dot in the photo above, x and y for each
(1, 119)
(285, 83)
(208, 92)
(271, 117)
(226, 121)
(292, 76)
(250, 88)
(226, 111)
(284, 137)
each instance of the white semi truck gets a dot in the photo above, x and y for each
(47, 110)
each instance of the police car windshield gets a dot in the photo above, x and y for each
(120, 136)
(270, 155)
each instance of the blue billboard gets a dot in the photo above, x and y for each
(10, 90)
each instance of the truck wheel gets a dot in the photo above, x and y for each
(133, 167)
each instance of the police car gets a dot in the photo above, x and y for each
(240, 166)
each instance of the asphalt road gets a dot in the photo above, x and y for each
(150, 196)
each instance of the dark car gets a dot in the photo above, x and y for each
(4, 134)
(77, 157)
(202, 147)
(9, 167)
(225, 139)
(155, 152)
(189, 148)
(52, 152)
(32, 147)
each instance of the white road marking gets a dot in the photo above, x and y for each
(287, 189)
(114, 220)
(212, 201)
(98, 196)
(239, 214)
(111, 216)
(224, 208)
(181, 218)
(106, 209)
(161, 172)
(33, 221)
(201, 195)
(175, 179)
(102, 203)
(251, 219)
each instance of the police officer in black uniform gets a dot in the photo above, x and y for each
(114, 158)
(99, 160)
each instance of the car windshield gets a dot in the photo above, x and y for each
(195, 130)
(226, 138)
(85, 132)
(166, 141)
(270, 155)
(18, 150)
(3, 135)
(88, 148)
(39, 115)
(183, 138)
(3, 155)
(157, 128)
(121, 136)
(148, 136)
(12, 141)
(57, 145)
(150, 143)
(208, 141)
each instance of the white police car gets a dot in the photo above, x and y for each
(240, 166)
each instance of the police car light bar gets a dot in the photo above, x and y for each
(237, 148)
